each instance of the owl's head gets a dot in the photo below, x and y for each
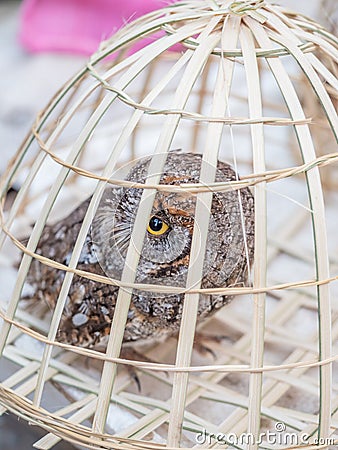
(165, 255)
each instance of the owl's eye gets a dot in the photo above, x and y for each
(157, 226)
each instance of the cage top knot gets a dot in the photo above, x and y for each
(248, 7)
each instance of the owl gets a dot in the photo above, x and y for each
(164, 259)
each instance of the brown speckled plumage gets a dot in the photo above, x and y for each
(164, 259)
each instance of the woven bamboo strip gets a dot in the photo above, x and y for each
(257, 349)
(203, 205)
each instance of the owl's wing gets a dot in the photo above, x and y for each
(89, 305)
(56, 243)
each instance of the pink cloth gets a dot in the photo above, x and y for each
(76, 26)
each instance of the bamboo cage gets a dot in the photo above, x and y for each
(223, 79)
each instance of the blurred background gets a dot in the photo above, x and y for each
(45, 42)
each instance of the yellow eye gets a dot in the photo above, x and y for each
(156, 226)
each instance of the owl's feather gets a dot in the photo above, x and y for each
(164, 259)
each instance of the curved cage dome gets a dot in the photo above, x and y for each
(228, 81)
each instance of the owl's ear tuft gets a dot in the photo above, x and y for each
(176, 150)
